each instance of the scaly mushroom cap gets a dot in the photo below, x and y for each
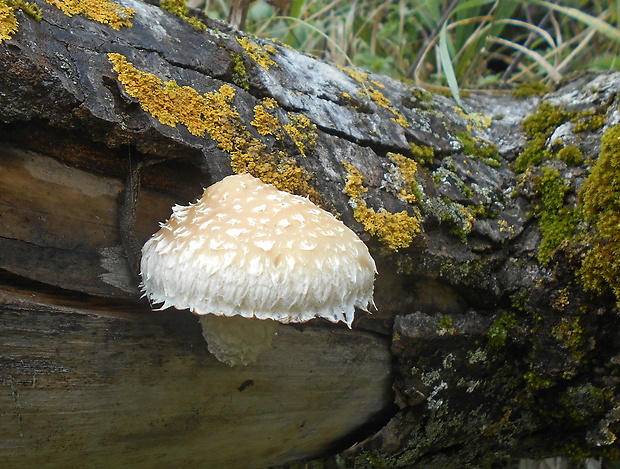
(246, 248)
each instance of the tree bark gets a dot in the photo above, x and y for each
(486, 344)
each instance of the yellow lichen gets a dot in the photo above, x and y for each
(8, 22)
(270, 103)
(265, 123)
(395, 230)
(103, 11)
(370, 90)
(408, 169)
(172, 104)
(260, 54)
(302, 131)
(180, 8)
(214, 114)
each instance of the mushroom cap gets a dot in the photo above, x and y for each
(246, 248)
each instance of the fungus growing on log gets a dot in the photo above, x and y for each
(247, 256)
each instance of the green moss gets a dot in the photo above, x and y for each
(479, 148)
(368, 459)
(547, 118)
(538, 128)
(239, 73)
(533, 154)
(583, 403)
(31, 9)
(535, 382)
(422, 154)
(422, 95)
(445, 324)
(571, 155)
(588, 121)
(498, 332)
(530, 88)
(482, 212)
(180, 9)
(557, 222)
(576, 453)
(600, 268)
(569, 332)
(519, 301)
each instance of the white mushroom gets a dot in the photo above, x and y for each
(247, 256)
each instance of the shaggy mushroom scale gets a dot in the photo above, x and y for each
(246, 250)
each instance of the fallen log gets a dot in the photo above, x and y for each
(492, 338)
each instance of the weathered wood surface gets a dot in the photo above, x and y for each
(96, 384)
(490, 353)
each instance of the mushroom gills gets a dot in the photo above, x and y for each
(236, 340)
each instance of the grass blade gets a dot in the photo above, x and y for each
(553, 73)
(446, 64)
(601, 26)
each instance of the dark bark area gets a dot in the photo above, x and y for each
(485, 345)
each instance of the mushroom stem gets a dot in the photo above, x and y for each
(237, 340)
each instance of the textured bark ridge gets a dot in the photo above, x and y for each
(494, 230)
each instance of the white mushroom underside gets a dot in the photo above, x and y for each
(246, 248)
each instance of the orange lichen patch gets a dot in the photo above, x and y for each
(8, 22)
(260, 54)
(395, 230)
(370, 90)
(214, 114)
(102, 11)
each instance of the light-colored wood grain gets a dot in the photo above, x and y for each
(59, 224)
(101, 386)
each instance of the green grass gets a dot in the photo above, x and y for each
(477, 43)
